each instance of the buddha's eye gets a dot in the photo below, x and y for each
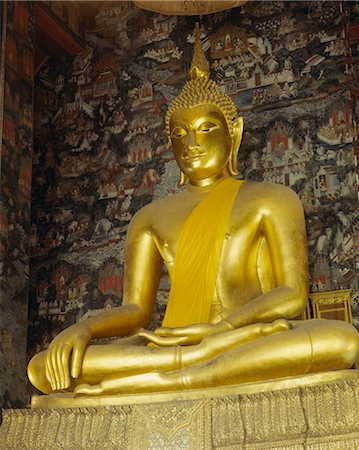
(207, 127)
(178, 133)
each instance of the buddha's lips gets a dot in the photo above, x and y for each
(193, 156)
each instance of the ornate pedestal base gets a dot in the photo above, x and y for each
(285, 414)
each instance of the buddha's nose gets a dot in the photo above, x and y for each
(192, 144)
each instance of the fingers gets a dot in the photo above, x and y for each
(57, 362)
(77, 357)
(146, 334)
(60, 373)
(166, 337)
(181, 340)
(170, 341)
(193, 330)
(50, 371)
(153, 338)
(57, 366)
(166, 331)
(158, 340)
(65, 357)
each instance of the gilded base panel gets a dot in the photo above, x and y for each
(321, 416)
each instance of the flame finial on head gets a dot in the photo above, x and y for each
(199, 67)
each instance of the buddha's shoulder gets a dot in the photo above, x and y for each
(263, 186)
(152, 211)
(159, 204)
(269, 193)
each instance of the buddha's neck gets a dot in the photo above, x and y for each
(207, 184)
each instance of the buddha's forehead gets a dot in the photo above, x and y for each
(191, 115)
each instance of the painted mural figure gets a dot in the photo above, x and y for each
(236, 255)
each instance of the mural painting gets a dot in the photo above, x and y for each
(15, 198)
(101, 152)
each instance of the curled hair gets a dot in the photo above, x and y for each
(202, 91)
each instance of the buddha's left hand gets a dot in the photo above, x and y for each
(189, 335)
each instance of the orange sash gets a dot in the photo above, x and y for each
(198, 255)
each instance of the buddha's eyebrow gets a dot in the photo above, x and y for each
(178, 124)
(210, 119)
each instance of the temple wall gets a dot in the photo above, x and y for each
(101, 152)
(16, 91)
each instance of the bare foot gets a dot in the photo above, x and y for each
(145, 382)
(88, 389)
(277, 326)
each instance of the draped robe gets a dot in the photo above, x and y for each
(198, 256)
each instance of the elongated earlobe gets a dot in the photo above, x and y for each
(237, 132)
(182, 179)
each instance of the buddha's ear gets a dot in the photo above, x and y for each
(237, 132)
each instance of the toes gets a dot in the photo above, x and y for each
(281, 325)
(87, 389)
(275, 327)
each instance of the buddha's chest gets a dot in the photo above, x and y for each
(239, 240)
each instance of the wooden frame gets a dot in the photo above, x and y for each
(332, 305)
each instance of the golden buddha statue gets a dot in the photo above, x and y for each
(236, 255)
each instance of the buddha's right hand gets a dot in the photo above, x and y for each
(187, 335)
(65, 355)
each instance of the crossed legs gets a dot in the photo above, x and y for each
(252, 353)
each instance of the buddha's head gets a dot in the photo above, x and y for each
(203, 126)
